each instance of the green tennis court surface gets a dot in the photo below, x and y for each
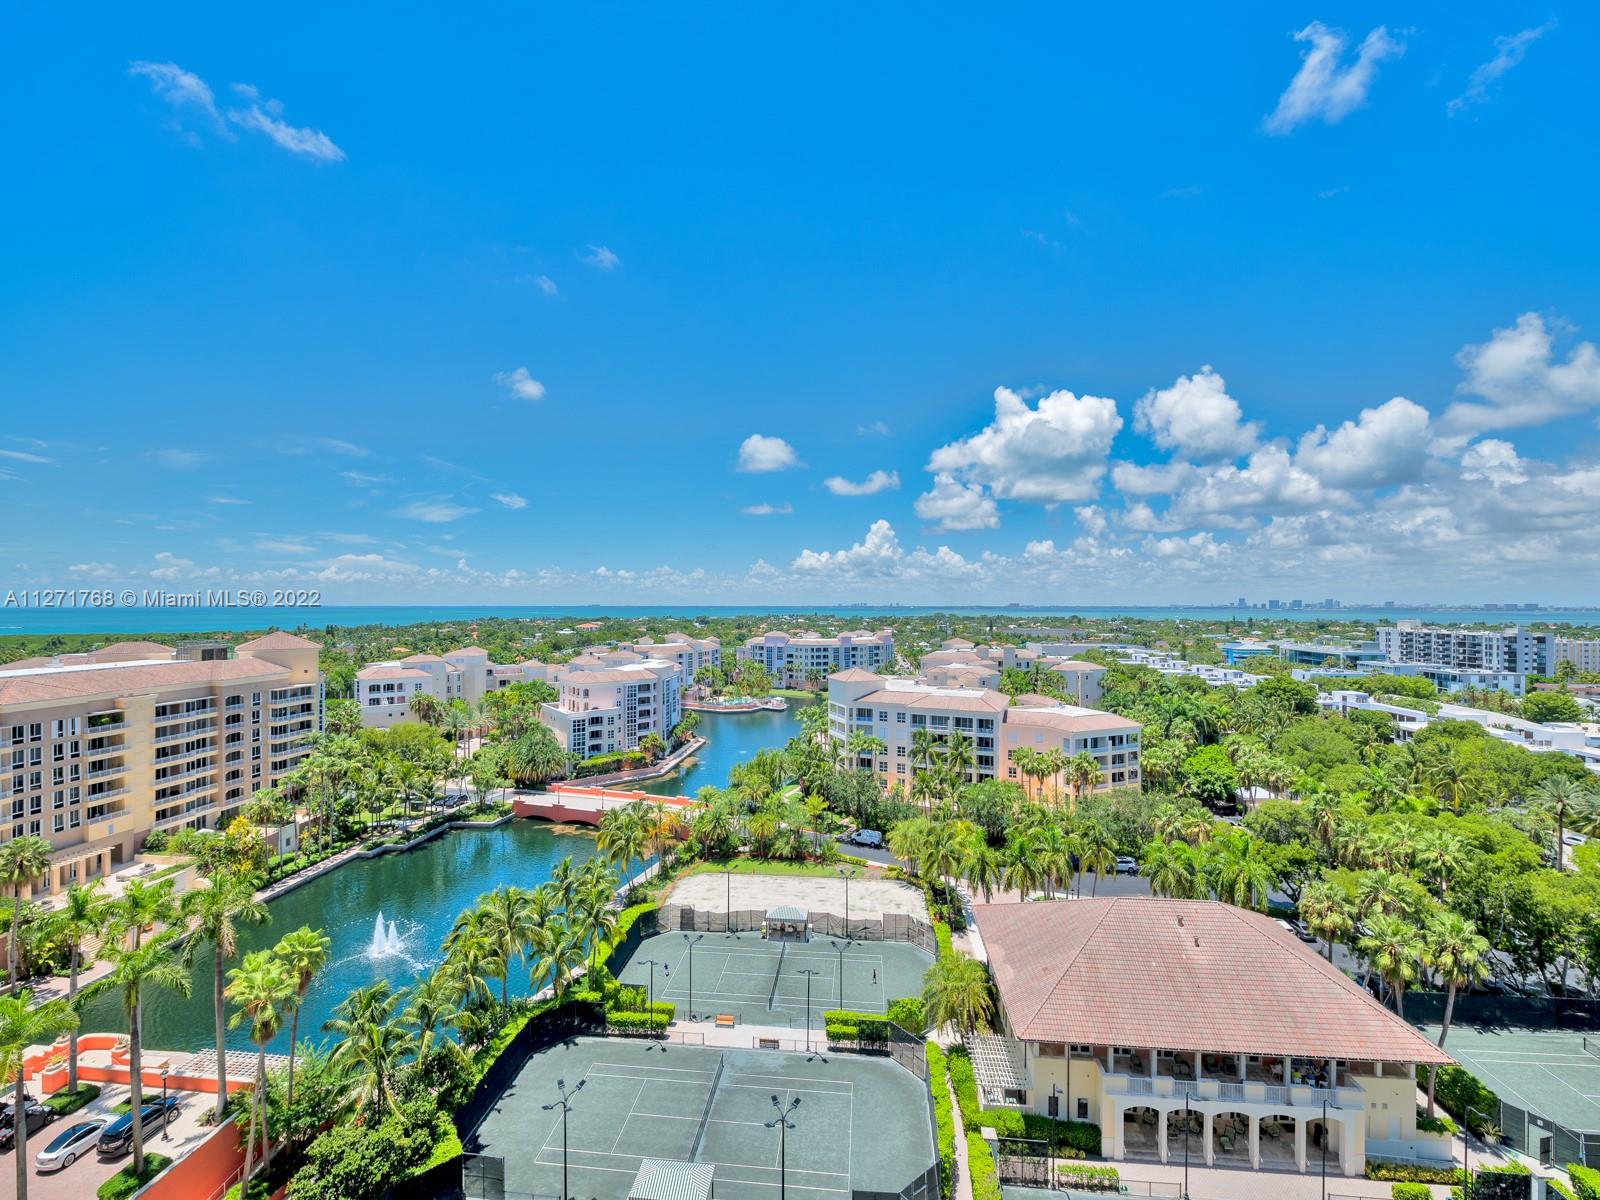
(862, 1124)
(762, 982)
(1546, 1071)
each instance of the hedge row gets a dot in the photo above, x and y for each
(941, 938)
(1459, 1090)
(1585, 1181)
(980, 1162)
(639, 1022)
(1411, 1191)
(1087, 1177)
(943, 1119)
(1415, 1173)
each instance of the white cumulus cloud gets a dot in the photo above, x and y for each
(1520, 380)
(957, 506)
(602, 258)
(1196, 417)
(759, 453)
(878, 481)
(520, 384)
(1049, 454)
(1387, 445)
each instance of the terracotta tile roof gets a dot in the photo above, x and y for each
(1181, 975)
(72, 684)
(422, 658)
(855, 675)
(391, 673)
(278, 640)
(468, 652)
(1071, 664)
(956, 700)
(119, 651)
(1069, 718)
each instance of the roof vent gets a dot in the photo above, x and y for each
(1197, 941)
(1180, 920)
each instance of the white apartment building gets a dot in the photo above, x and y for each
(689, 653)
(1582, 653)
(384, 689)
(958, 663)
(1501, 659)
(892, 709)
(610, 708)
(1168, 665)
(99, 749)
(790, 658)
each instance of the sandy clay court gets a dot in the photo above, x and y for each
(868, 897)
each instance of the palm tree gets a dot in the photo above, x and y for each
(1395, 950)
(1097, 852)
(22, 1024)
(1458, 952)
(1240, 874)
(1326, 912)
(304, 952)
(560, 950)
(1560, 797)
(217, 912)
(82, 916)
(435, 1002)
(134, 970)
(1051, 851)
(982, 867)
(593, 918)
(1025, 759)
(1439, 857)
(22, 860)
(426, 708)
(510, 927)
(1083, 769)
(141, 906)
(1173, 869)
(622, 835)
(262, 986)
(372, 1045)
(956, 991)
(1448, 777)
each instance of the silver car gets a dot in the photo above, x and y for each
(68, 1146)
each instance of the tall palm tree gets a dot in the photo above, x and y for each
(1440, 856)
(435, 1002)
(263, 988)
(1454, 948)
(1240, 874)
(1326, 912)
(1025, 759)
(23, 1024)
(1173, 870)
(1395, 949)
(22, 860)
(1097, 852)
(1084, 771)
(372, 1046)
(510, 927)
(1052, 851)
(135, 970)
(82, 917)
(956, 991)
(426, 708)
(559, 949)
(983, 867)
(141, 906)
(594, 918)
(1560, 797)
(304, 952)
(216, 912)
(622, 835)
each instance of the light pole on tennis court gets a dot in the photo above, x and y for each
(650, 994)
(692, 940)
(845, 946)
(847, 874)
(782, 1123)
(808, 973)
(565, 1105)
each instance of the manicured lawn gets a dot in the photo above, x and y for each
(761, 866)
(124, 1184)
(63, 1103)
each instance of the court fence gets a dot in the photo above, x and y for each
(1547, 1141)
(890, 927)
(483, 1177)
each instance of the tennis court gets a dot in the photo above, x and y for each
(862, 1124)
(764, 983)
(1552, 1072)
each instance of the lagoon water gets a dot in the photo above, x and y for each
(418, 892)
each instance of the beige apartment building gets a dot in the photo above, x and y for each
(790, 659)
(608, 708)
(100, 749)
(959, 663)
(893, 709)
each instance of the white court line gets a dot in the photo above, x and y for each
(655, 1072)
(623, 1128)
(767, 1087)
(784, 1078)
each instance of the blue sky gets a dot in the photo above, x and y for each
(635, 303)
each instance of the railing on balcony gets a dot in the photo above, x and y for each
(105, 772)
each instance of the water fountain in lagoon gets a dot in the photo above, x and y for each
(386, 941)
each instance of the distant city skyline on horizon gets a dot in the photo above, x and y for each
(1281, 326)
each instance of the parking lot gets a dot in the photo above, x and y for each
(83, 1177)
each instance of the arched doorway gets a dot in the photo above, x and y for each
(1320, 1137)
(1141, 1133)
(1230, 1139)
(1277, 1142)
(1186, 1129)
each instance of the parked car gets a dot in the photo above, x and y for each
(37, 1115)
(865, 837)
(1127, 866)
(68, 1146)
(118, 1136)
(1298, 928)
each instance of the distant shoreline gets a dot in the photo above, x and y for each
(44, 622)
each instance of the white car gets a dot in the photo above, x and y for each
(68, 1146)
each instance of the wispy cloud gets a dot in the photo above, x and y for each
(183, 91)
(439, 511)
(24, 456)
(768, 510)
(1325, 87)
(177, 460)
(879, 428)
(227, 500)
(878, 481)
(1187, 192)
(520, 384)
(1509, 50)
(545, 284)
(187, 94)
(508, 500)
(602, 258)
(323, 445)
(363, 479)
(266, 117)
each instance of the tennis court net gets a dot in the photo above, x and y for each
(772, 996)
(705, 1113)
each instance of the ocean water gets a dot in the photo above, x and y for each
(15, 620)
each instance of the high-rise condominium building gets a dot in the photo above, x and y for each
(605, 709)
(101, 748)
(1501, 658)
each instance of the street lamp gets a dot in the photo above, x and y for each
(692, 940)
(1185, 1145)
(847, 874)
(1324, 1148)
(165, 1136)
(565, 1105)
(650, 995)
(782, 1123)
(808, 973)
(1466, 1147)
(842, 947)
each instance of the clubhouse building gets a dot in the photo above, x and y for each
(1191, 1027)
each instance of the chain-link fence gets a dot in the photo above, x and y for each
(890, 927)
